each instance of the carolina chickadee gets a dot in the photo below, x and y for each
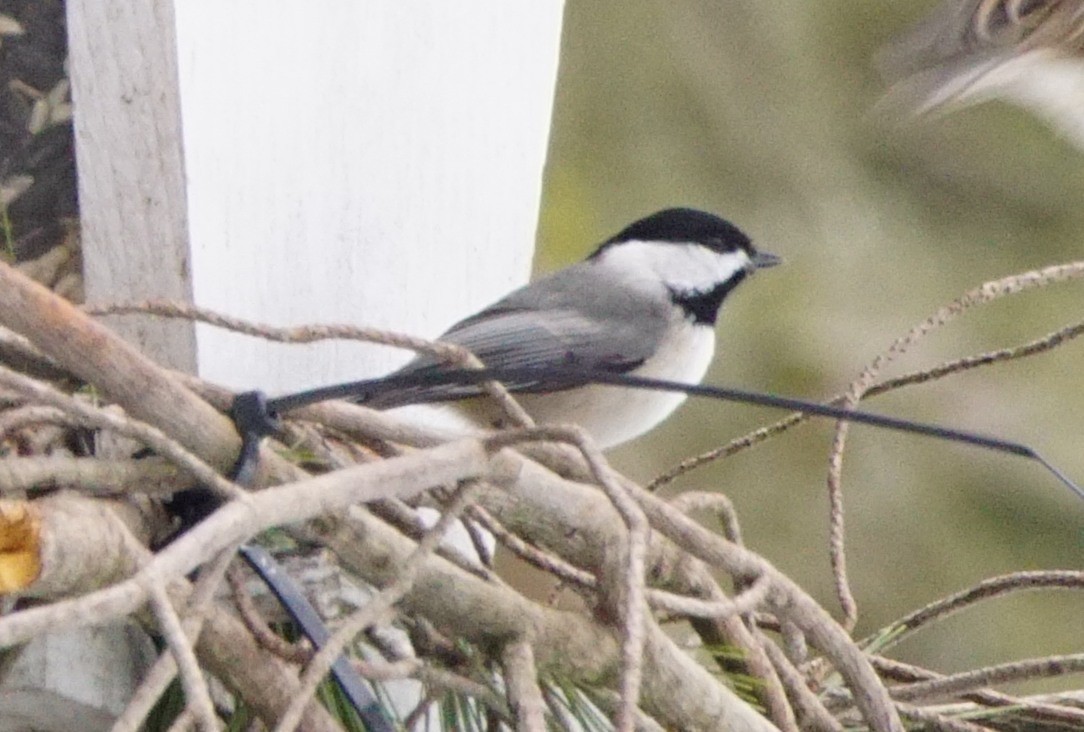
(644, 303)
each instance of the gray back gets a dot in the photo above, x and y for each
(566, 319)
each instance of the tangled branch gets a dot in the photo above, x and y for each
(546, 493)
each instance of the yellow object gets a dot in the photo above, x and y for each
(20, 545)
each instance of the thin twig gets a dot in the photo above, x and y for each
(1031, 348)
(124, 425)
(161, 674)
(810, 711)
(631, 601)
(1035, 668)
(937, 722)
(16, 419)
(987, 292)
(298, 653)
(1028, 708)
(376, 610)
(986, 590)
(483, 544)
(407, 520)
(521, 682)
(692, 607)
(1001, 355)
(717, 503)
(92, 476)
(531, 554)
(197, 695)
(448, 352)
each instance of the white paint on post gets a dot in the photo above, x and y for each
(375, 162)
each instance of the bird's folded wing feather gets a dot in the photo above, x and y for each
(505, 338)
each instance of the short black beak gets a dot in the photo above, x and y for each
(761, 260)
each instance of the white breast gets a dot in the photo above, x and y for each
(613, 414)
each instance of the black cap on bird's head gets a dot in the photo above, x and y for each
(690, 226)
(697, 257)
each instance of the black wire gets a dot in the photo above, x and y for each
(254, 420)
(556, 378)
(312, 626)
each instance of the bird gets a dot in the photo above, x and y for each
(644, 303)
(1027, 52)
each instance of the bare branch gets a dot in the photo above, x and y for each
(566, 643)
(987, 292)
(1038, 708)
(377, 609)
(531, 554)
(581, 526)
(91, 476)
(1036, 668)
(263, 680)
(786, 599)
(238, 520)
(693, 607)
(937, 722)
(448, 352)
(110, 420)
(70, 544)
(986, 590)
(197, 695)
(300, 652)
(16, 419)
(517, 659)
(92, 352)
(158, 678)
(811, 712)
(627, 600)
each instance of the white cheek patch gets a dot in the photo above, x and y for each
(681, 267)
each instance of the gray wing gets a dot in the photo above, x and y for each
(547, 324)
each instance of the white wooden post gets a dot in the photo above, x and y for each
(123, 66)
(376, 162)
(364, 161)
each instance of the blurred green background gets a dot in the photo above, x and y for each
(762, 112)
